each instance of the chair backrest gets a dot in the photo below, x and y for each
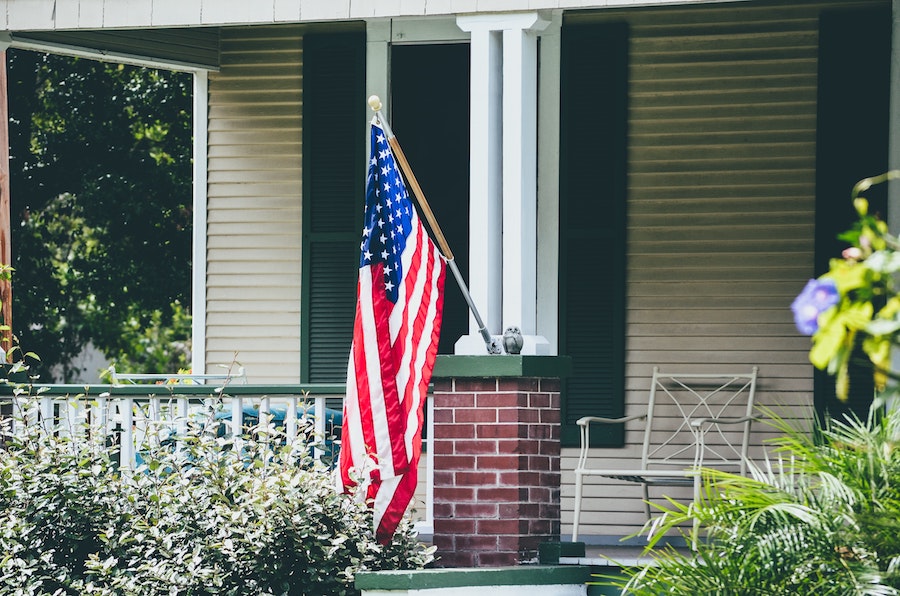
(679, 400)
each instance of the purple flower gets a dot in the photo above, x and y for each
(817, 297)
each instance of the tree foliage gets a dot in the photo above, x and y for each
(100, 203)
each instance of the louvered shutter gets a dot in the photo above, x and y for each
(593, 134)
(852, 143)
(334, 115)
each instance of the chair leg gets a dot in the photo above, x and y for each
(647, 499)
(576, 518)
(695, 530)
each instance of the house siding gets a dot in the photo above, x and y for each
(721, 198)
(254, 184)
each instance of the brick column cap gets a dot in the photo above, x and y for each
(497, 366)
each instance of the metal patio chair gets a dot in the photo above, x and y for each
(692, 421)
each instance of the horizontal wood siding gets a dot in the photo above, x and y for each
(721, 187)
(253, 277)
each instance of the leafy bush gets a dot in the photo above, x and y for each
(824, 519)
(205, 518)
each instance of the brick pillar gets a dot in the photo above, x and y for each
(496, 469)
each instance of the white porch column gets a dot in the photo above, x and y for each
(485, 181)
(503, 170)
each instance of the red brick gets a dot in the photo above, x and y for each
(551, 385)
(555, 432)
(444, 541)
(455, 559)
(501, 526)
(483, 415)
(476, 385)
(443, 510)
(514, 446)
(478, 543)
(539, 400)
(550, 416)
(443, 415)
(527, 478)
(444, 447)
(495, 559)
(502, 495)
(535, 527)
(454, 400)
(444, 478)
(509, 510)
(454, 431)
(502, 400)
(554, 464)
(549, 511)
(548, 447)
(454, 494)
(477, 446)
(518, 415)
(535, 431)
(526, 511)
(474, 479)
(502, 462)
(453, 462)
(441, 385)
(550, 479)
(502, 431)
(535, 462)
(555, 400)
(509, 543)
(453, 526)
(539, 495)
(475, 510)
(518, 384)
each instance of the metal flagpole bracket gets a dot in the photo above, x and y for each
(492, 344)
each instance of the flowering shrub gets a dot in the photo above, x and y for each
(856, 299)
(204, 519)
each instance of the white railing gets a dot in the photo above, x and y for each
(136, 417)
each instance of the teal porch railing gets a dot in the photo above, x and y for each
(137, 415)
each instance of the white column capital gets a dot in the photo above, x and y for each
(502, 21)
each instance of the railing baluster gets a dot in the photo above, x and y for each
(237, 420)
(126, 444)
(290, 419)
(46, 414)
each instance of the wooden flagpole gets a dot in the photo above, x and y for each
(5, 228)
(492, 345)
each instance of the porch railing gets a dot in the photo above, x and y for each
(136, 416)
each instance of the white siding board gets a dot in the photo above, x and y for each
(254, 182)
(721, 187)
(176, 12)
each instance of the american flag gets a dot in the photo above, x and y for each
(395, 337)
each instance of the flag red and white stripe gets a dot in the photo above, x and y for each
(396, 331)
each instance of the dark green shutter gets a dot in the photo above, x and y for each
(851, 144)
(334, 127)
(593, 139)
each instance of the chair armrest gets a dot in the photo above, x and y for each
(710, 420)
(589, 419)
